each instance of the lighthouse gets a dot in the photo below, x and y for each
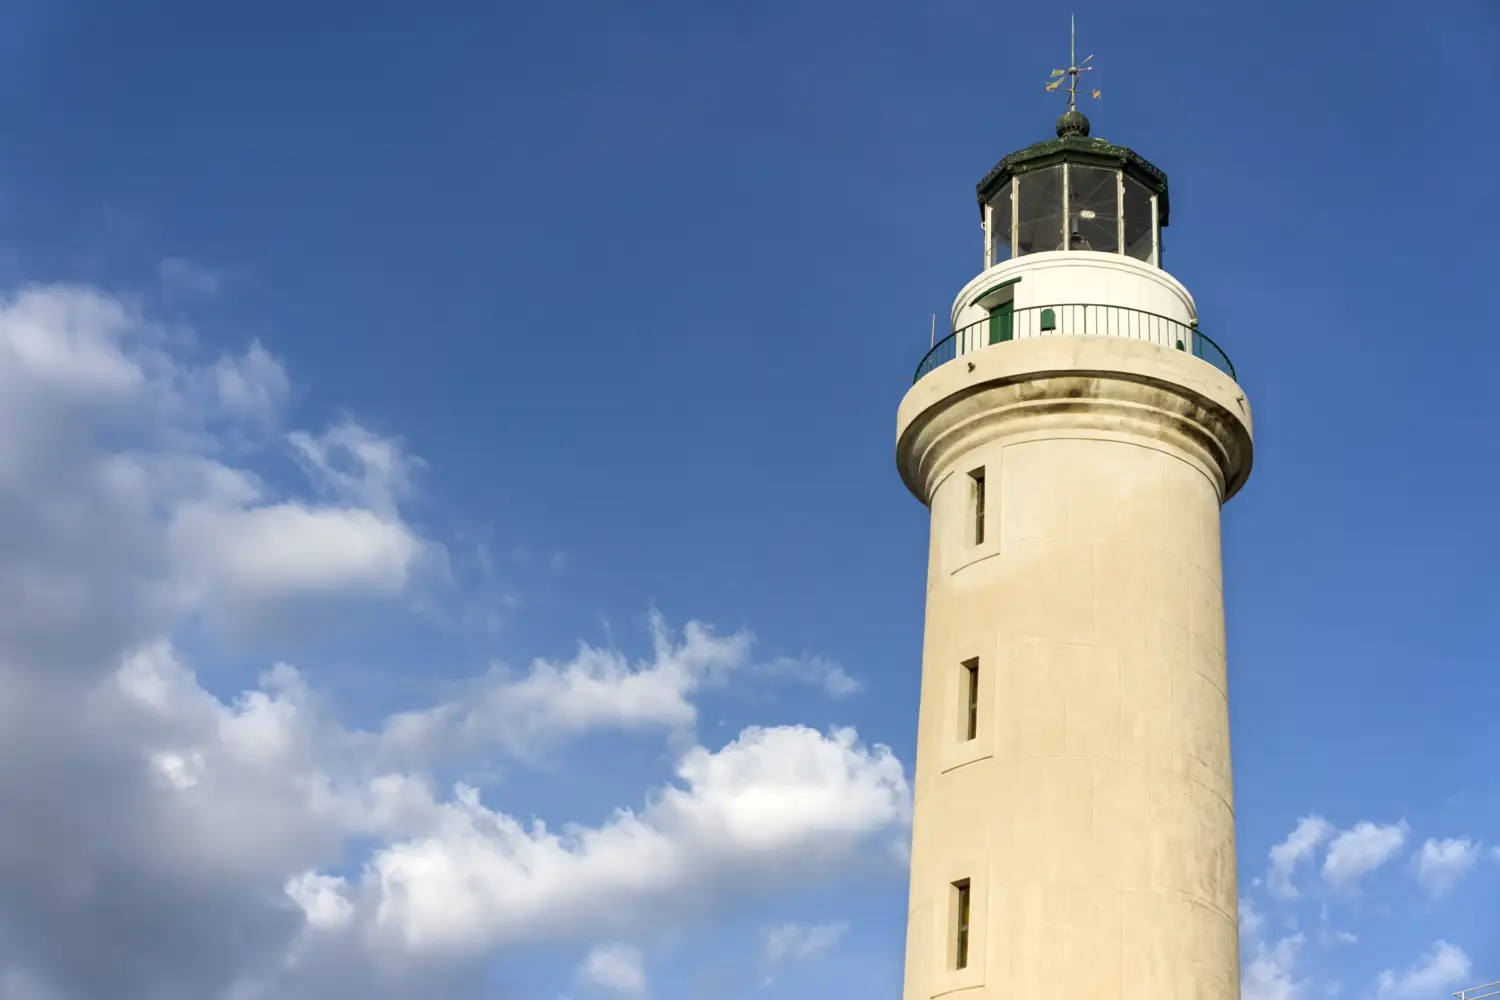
(1074, 439)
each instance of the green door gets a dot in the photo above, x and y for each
(1001, 322)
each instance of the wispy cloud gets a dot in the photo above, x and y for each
(1328, 935)
(617, 968)
(1251, 921)
(601, 689)
(824, 673)
(799, 942)
(1360, 850)
(1271, 971)
(598, 689)
(791, 943)
(1441, 863)
(1442, 967)
(180, 276)
(1304, 839)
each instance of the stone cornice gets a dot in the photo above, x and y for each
(1076, 386)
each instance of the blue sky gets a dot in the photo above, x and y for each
(502, 398)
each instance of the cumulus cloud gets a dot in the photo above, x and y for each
(615, 967)
(1360, 850)
(1441, 863)
(158, 836)
(251, 557)
(772, 807)
(1352, 853)
(120, 510)
(323, 899)
(175, 842)
(250, 797)
(1270, 968)
(1304, 839)
(1435, 974)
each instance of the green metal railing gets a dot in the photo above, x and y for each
(1076, 320)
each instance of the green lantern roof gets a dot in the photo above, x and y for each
(1073, 145)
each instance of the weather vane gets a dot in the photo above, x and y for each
(1075, 68)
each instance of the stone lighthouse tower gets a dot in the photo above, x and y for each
(1074, 438)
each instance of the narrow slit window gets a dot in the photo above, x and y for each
(978, 489)
(961, 924)
(970, 679)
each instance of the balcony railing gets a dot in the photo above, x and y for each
(1480, 992)
(1076, 320)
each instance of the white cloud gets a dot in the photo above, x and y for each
(323, 898)
(1441, 968)
(1251, 921)
(773, 807)
(1305, 837)
(1441, 863)
(254, 385)
(1269, 973)
(1351, 853)
(1360, 850)
(354, 465)
(247, 557)
(121, 504)
(615, 967)
(597, 689)
(815, 670)
(178, 843)
(180, 275)
(799, 942)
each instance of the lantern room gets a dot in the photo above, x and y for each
(1074, 192)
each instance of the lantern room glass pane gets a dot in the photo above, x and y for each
(1138, 220)
(1039, 210)
(1093, 208)
(1000, 224)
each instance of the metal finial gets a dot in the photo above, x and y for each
(1075, 69)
